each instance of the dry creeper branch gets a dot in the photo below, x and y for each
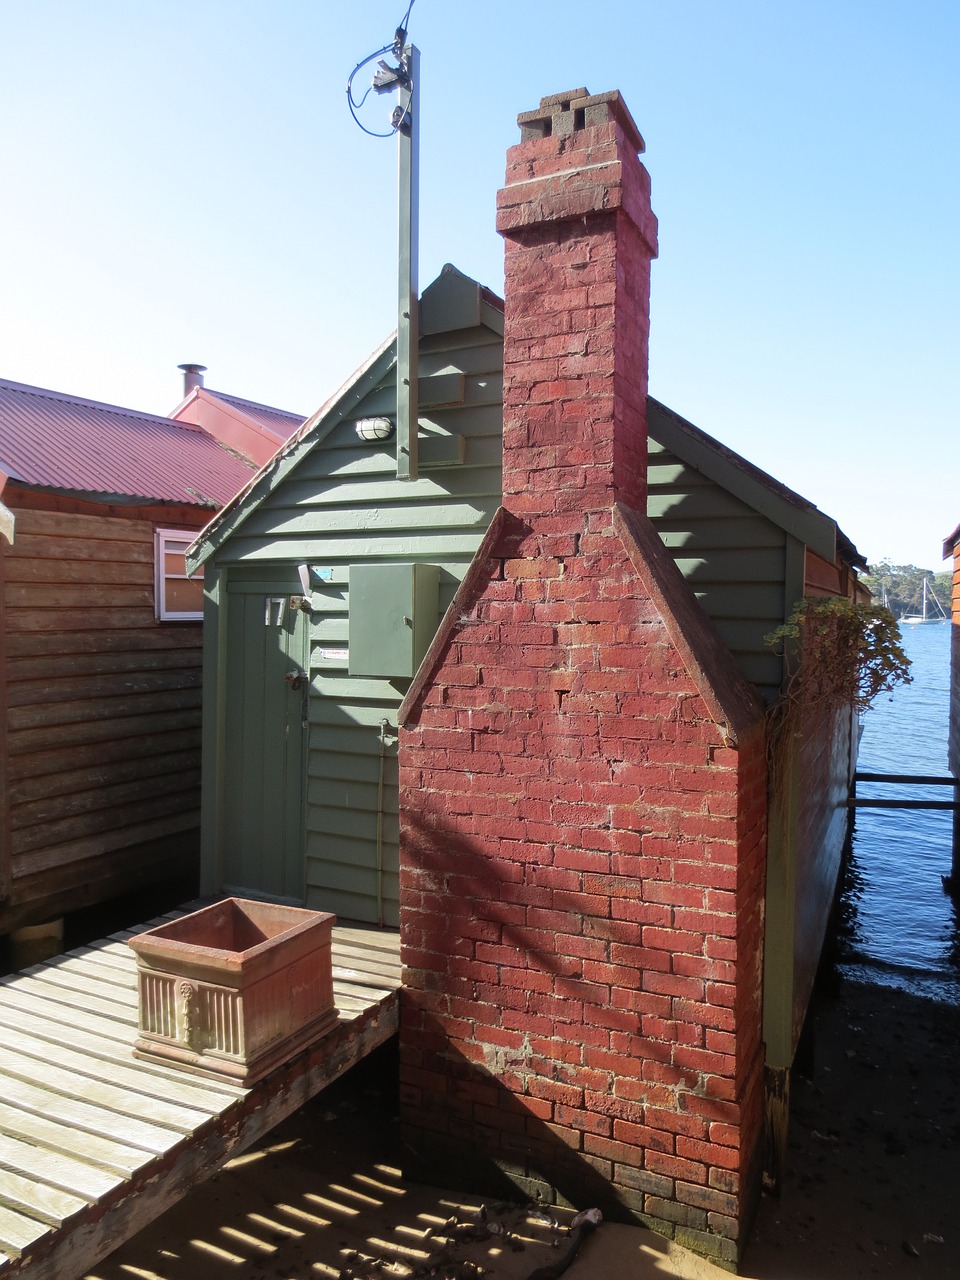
(838, 655)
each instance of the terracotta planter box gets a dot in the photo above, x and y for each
(236, 989)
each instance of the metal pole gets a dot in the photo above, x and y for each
(408, 328)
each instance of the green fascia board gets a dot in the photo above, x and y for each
(303, 442)
(491, 315)
(792, 513)
(455, 301)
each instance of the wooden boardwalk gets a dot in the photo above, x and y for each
(94, 1144)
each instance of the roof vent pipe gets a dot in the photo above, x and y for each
(192, 376)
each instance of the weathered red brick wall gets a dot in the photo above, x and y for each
(582, 780)
(581, 890)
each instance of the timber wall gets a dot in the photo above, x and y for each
(826, 762)
(809, 823)
(826, 765)
(954, 746)
(103, 711)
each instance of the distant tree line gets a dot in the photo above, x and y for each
(900, 587)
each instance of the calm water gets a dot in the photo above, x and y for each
(898, 927)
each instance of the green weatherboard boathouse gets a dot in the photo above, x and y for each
(353, 617)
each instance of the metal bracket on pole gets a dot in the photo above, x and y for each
(408, 326)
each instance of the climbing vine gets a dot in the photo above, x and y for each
(837, 654)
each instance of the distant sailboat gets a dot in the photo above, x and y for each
(927, 613)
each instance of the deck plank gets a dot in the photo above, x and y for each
(18, 1233)
(169, 1085)
(108, 975)
(36, 1200)
(383, 940)
(57, 994)
(349, 963)
(49, 1014)
(90, 1148)
(18, 1062)
(56, 1169)
(74, 984)
(360, 991)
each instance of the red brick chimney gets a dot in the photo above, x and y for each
(580, 234)
(582, 770)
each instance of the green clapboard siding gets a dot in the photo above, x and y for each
(340, 506)
(733, 557)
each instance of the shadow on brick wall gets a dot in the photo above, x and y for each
(523, 1066)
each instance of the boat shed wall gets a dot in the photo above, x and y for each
(751, 552)
(951, 548)
(808, 828)
(101, 726)
(748, 547)
(342, 506)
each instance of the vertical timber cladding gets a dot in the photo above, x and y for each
(343, 506)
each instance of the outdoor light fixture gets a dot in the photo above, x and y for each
(373, 429)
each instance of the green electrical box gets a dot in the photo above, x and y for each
(394, 612)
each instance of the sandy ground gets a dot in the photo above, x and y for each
(873, 1187)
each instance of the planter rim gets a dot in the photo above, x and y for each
(163, 942)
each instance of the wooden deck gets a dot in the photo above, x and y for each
(94, 1144)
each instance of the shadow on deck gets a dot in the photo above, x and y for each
(95, 1144)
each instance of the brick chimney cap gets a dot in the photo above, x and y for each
(556, 99)
(566, 113)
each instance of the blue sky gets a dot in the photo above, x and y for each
(182, 181)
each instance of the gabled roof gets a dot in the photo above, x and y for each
(67, 444)
(278, 421)
(792, 512)
(453, 301)
(254, 430)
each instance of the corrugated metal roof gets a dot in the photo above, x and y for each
(277, 421)
(56, 441)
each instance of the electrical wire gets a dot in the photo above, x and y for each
(403, 25)
(396, 48)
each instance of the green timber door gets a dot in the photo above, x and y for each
(267, 689)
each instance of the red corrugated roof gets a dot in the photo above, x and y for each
(277, 421)
(55, 441)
